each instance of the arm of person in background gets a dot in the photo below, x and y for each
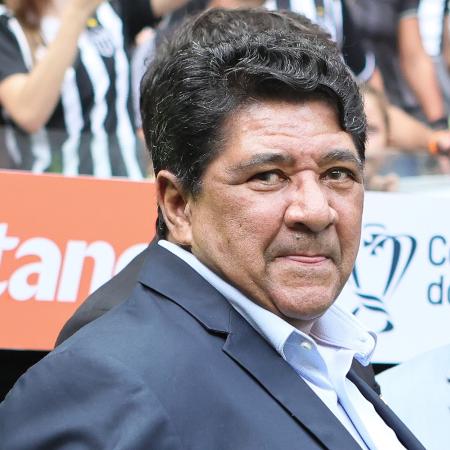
(418, 69)
(411, 135)
(406, 132)
(30, 98)
(446, 41)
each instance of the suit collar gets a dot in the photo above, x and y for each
(167, 274)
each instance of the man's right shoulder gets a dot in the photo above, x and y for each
(77, 395)
(109, 295)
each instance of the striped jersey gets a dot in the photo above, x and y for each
(91, 130)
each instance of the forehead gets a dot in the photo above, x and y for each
(301, 130)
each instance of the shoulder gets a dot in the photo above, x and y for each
(5, 13)
(7, 24)
(141, 324)
(111, 294)
(78, 397)
(112, 371)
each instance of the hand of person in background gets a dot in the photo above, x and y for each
(439, 146)
(439, 142)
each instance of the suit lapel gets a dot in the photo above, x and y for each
(170, 276)
(258, 358)
(404, 435)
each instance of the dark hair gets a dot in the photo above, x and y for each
(29, 12)
(222, 60)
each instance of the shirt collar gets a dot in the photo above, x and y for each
(335, 328)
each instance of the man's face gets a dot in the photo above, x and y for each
(279, 213)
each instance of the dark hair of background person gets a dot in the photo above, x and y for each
(28, 12)
(223, 60)
(381, 100)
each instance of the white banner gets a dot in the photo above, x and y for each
(400, 287)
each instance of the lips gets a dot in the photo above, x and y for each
(307, 259)
(308, 251)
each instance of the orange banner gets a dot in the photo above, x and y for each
(60, 239)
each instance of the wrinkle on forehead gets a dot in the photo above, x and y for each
(259, 115)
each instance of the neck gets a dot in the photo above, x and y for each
(302, 325)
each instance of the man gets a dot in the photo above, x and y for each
(116, 291)
(229, 339)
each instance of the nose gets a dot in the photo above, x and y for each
(310, 206)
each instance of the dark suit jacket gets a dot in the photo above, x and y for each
(172, 367)
(119, 288)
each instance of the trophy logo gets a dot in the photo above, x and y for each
(381, 265)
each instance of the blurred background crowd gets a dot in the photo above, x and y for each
(70, 72)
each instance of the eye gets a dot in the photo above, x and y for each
(340, 174)
(268, 178)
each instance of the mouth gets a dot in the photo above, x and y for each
(307, 259)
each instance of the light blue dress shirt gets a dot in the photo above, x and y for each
(322, 358)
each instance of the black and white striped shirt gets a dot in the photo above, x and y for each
(335, 18)
(91, 130)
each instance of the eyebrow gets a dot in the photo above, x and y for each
(342, 155)
(260, 159)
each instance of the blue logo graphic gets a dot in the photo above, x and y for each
(382, 262)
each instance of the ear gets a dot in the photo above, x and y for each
(174, 204)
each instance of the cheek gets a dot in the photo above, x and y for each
(218, 221)
(243, 228)
(251, 216)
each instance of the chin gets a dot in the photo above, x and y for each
(306, 308)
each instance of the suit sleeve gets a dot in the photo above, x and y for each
(72, 401)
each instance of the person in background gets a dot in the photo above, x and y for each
(390, 28)
(334, 17)
(434, 29)
(375, 107)
(65, 85)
